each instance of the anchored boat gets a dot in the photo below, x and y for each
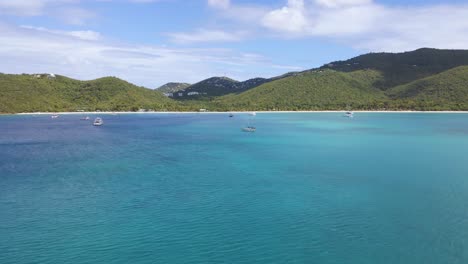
(98, 122)
(349, 114)
(249, 129)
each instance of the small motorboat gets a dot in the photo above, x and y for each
(249, 129)
(98, 122)
(349, 114)
(54, 116)
(85, 118)
(252, 114)
(231, 115)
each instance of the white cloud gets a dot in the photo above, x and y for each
(246, 13)
(37, 50)
(67, 11)
(341, 3)
(74, 15)
(80, 34)
(441, 26)
(363, 24)
(223, 4)
(204, 35)
(350, 21)
(291, 18)
(21, 7)
(29, 7)
(85, 34)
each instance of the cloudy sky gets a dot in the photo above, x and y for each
(151, 42)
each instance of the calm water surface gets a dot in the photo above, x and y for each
(192, 188)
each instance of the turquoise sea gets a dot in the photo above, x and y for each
(192, 188)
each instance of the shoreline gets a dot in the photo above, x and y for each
(241, 112)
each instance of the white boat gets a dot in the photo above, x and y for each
(231, 115)
(349, 114)
(252, 114)
(85, 118)
(249, 129)
(54, 116)
(98, 121)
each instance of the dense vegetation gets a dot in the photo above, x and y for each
(425, 79)
(172, 87)
(217, 86)
(321, 89)
(29, 93)
(447, 90)
(401, 68)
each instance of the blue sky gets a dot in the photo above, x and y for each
(151, 42)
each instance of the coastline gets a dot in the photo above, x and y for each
(241, 112)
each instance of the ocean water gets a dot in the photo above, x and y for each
(193, 188)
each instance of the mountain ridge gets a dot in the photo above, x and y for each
(172, 87)
(424, 79)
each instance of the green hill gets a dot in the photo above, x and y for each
(401, 68)
(425, 79)
(30, 93)
(321, 89)
(444, 91)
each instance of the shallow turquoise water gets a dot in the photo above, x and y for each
(192, 188)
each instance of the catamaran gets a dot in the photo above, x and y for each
(98, 121)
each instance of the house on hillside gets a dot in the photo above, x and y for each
(169, 94)
(51, 76)
(193, 93)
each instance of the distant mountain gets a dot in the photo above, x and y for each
(218, 86)
(396, 69)
(401, 68)
(424, 79)
(172, 87)
(31, 93)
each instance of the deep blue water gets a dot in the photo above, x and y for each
(192, 188)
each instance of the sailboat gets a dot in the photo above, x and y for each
(98, 122)
(249, 128)
(349, 113)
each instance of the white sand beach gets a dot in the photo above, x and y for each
(241, 112)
